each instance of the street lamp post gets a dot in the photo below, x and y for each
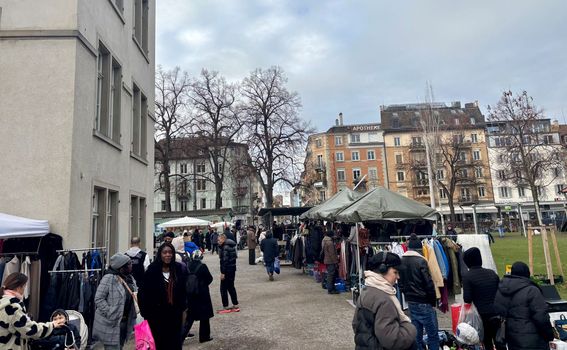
(474, 219)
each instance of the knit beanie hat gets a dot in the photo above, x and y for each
(118, 260)
(60, 312)
(392, 260)
(414, 243)
(520, 269)
(472, 257)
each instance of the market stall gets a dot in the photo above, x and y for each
(185, 222)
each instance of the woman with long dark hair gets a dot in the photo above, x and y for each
(15, 325)
(163, 298)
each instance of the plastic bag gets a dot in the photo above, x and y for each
(277, 266)
(144, 337)
(469, 315)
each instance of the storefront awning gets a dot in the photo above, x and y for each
(490, 209)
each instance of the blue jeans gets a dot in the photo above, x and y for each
(270, 268)
(501, 232)
(424, 316)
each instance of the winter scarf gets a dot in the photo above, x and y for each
(378, 281)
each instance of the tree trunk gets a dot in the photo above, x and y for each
(218, 193)
(536, 205)
(167, 187)
(451, 208)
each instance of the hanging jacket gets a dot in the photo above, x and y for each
(521, 302)
(441, 259)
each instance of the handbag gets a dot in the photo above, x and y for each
(561, 327)
(144, 337)
(134, 296)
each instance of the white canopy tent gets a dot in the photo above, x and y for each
(16, 227)
(222, 224)
(185, 222)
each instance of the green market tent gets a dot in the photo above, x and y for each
(328, 209)
(382, 204)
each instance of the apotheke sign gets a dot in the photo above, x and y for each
(366, 128)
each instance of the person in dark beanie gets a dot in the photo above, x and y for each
(521, 303)
(417, 285)
(479, 287)
(270, 249)
(115, 313)
(251, 243)
(228, 256)
(330, 259)
(168, 237)
(379, 322)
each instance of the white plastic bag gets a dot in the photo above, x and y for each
(469, 315)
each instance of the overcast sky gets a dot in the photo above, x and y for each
(353, 56)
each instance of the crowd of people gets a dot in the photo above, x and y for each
(514, 303)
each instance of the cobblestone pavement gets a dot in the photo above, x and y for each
(293, 312)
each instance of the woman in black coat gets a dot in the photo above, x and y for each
(520, 301)
(163, 298)
(200, 307)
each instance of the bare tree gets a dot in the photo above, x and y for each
(525, 149)
(172, 121)
(276, 134)
(218, 120)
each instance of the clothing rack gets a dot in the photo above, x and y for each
(80, 249)
(70, 271)
(20, 253)
(421, 236)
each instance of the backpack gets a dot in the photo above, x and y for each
(138, 266)
(192, 284)
(184, 257)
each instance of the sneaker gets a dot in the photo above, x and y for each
(205, 340)
(190, 335)
(271, 278)
(224, 311)
(235, 308)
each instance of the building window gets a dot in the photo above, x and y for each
(464, 173)
(203, 203)
(465, 194)
(476, 155)
(399, 159)
(338, 140)
(521, 192)
(395, 123)
(462, 156)
(139, 123)
(105, 219)
(547, 139)
(141, 23)
(341, 175)
(557, 172)
(397, 141)
(478, 173)
(355, 155)
(319, 161)
(474, 138)
(322, 195)
(442, 193)
(501, 175)
(559, 188)
(416, 141)
(201, 184)
(183, 205)
(163, 206)
(183, 168)
(340, 156)
(355, 174)
(355, 138)
(373, 173)
(183, 187)
(318, 143)
(457, 121)
(119, 5)
(201, 167)
(473, 121)
(401, 176)
(138, 218)
(481, 192)
(371, 155)
(440, 174)
(109, 87)
(504, 192)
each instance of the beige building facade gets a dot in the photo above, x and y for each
(76, 116)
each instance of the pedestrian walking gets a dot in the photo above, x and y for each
(330, 259)
(208, 239)
(168, 237)
(163, 298)
(140, 260)
(270, 251)
(199, 305)
(521, 303)
(451, 232)
(215, 242)
(418, 288)
(500, 225)
(16, 327)
(115, 300)
(196, 238)
(379, 322)
(479, 288)
(251, 243)
(227, 256)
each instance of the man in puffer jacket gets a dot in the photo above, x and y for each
(227, 255)
(520, 301)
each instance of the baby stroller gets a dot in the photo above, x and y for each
(78, 321)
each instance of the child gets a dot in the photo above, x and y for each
(66, 337)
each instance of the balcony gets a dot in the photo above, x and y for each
(240, 191)
(320, 167)
(421, 183)
(241, 209)
(416, 147)
(320, 184)
(470, 199)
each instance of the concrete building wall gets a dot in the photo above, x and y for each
(48, 97)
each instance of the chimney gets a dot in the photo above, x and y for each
(341, 119)
(336, 122)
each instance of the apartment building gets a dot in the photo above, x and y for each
(341, 157)
(76, 109)
(545, 138)
(459, 154)
(193, 187)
